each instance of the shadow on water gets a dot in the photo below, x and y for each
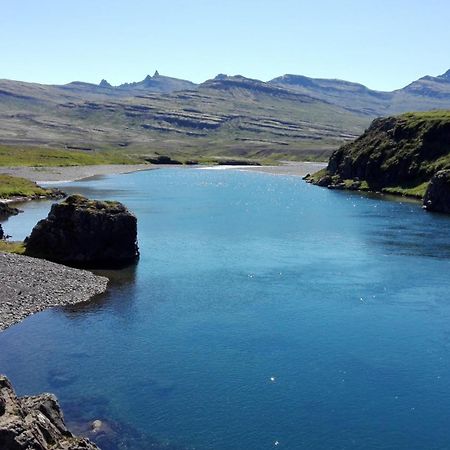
(118, 296)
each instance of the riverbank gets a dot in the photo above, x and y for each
(30, 285)
(292, 168)
(72, 173)
(75, 173)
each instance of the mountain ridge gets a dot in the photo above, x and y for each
(289, 117)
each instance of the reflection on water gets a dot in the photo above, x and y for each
(262, 310)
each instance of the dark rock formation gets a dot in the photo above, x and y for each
(34, 423)
(237, 162)
(86, 233)
(6, 211)
(437, 196)
(2, 233)
(162, 159)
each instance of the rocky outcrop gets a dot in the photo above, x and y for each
(6, 211)
(86, 233)
(34, 423)
(437, 196)
(394, 155)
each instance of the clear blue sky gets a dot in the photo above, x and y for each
(383, 44)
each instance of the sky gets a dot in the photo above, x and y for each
(382, 44)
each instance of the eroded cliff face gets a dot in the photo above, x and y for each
(437, 197)
(34, 423)
(86, 233)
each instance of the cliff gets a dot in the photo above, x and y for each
(86, 233)
(34, 423)
(396, 155)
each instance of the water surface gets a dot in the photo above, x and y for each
(263, 310)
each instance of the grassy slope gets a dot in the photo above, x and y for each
(12, 247)
(19, 187)
(41, 157)
(397, 155)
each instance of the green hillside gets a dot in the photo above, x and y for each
(395, 155)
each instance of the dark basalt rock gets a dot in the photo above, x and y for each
(437, 196)
(86, 233)
(2, 233)
(237, 162)
(162, 159)
(35, 423)
(6, 211)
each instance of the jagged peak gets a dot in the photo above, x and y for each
(104, 84)
(446, 75)
(156, 74)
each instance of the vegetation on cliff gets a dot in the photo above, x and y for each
(397, 155)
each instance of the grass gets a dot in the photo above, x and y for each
(19, 187)
(43, 157)
(17, 247)
(414, 191)
(316, 176)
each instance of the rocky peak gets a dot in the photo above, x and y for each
(105, 84)
(446, 75)
(156, 74)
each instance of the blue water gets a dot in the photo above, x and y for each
(262, 309)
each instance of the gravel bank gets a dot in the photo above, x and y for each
(72, 173)
(29, 285)
(299, 169)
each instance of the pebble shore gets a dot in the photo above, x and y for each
(29, 285)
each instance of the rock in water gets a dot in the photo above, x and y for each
(86, 233)
(34, 423)
(6, 211)
(437, 197)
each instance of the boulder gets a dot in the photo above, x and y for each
(6, 211)
(437, 196)
(2, 233)
(86, 233)
(34, 423)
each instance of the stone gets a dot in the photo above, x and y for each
(35, 423)
(6, 211)
(86, 233)
(437, 196)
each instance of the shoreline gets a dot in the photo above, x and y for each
(31, 285)
(68, 174)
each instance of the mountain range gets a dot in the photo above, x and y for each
(289, 117)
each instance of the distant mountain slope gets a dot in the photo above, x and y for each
(421, 95)
(290, 117)
(232, 116)
(343, 93)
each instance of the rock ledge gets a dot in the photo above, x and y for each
(35, 423)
